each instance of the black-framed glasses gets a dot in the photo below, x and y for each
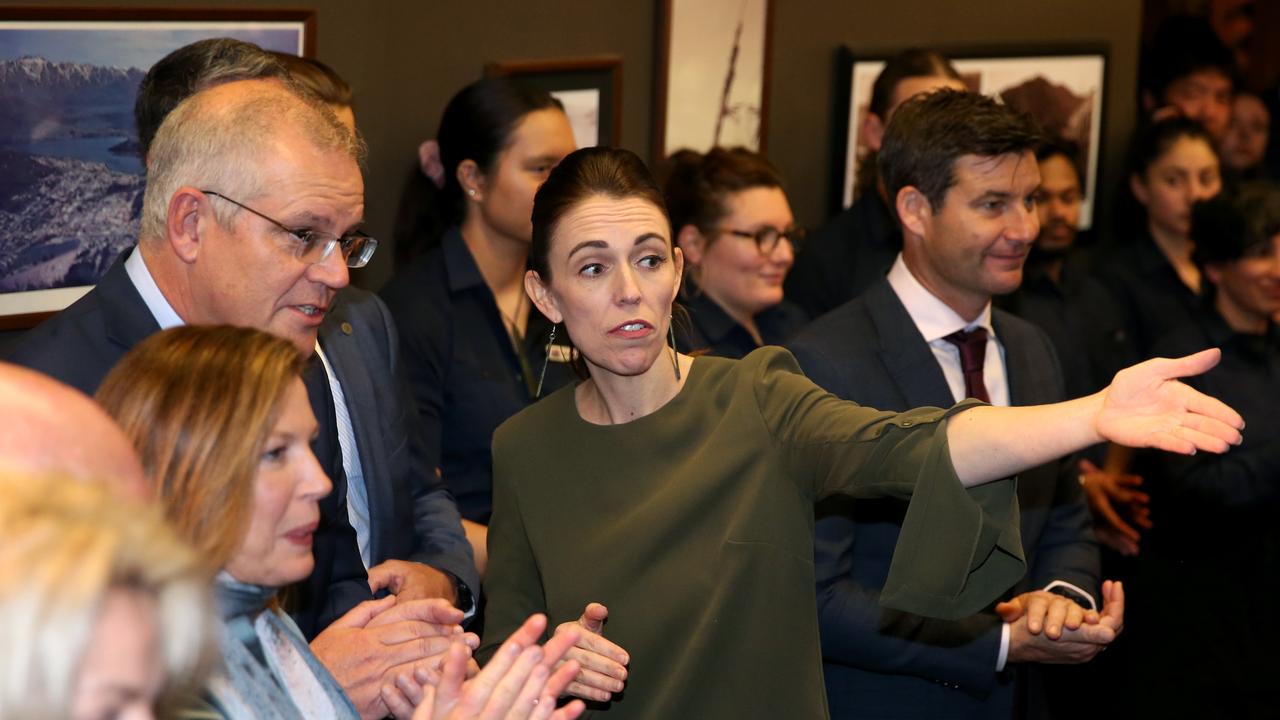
(768, 237)
(315, 246)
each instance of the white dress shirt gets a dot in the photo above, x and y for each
(936, 320)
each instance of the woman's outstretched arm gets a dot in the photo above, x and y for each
(1144, 406)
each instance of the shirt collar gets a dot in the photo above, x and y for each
(140, 275)
(714, 323)
(458, 261)
(933, 318)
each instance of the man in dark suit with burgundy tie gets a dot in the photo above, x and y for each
(961, 173)
(253, 221)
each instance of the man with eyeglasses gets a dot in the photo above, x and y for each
(252, 217)
(961, 176)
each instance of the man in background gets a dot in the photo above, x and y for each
(855, 248)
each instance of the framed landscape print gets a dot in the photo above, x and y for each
(1061, 87)
(71, 179)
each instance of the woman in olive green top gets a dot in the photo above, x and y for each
(674, 497)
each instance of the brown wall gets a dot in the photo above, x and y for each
(406, 58)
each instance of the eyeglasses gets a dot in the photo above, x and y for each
(315, 246)
(768, 237)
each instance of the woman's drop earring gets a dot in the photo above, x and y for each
(545, 359)
(675, 354)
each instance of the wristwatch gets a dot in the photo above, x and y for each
(1071, 595)
(462, 598)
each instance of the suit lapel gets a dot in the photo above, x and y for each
(343, 351)
(1019, 372)
(126, 317)
(904, 352)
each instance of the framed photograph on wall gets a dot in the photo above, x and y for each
(589, 88)
(712, 74)
(71, 179)
(1063, 88)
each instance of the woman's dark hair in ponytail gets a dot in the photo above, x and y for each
(477, 125)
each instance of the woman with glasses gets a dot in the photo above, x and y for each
(734, 225)
(471, 343)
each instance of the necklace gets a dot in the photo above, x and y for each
(513, 328)
(516, 338)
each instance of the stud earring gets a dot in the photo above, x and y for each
(471, 193)
(675, 354)
(545, 359)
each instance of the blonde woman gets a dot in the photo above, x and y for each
(220, 418)
(103, 612)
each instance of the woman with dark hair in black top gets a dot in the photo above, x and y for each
(1174, 163)
(471, 346)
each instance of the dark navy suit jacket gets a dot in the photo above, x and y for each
(412, 515)
(886, 664)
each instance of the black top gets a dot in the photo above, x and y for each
(1245, 482)
(852, 251)
(1151, 297)
(1079, 316)
(713, 332)
(1215, 533)
(467, 374)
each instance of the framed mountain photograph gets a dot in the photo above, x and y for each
(71, 179)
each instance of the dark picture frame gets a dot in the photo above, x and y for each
(590, 88)
(1064, 86)
(712, 81)
(70, 178)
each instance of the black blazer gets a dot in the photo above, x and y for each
(412, 515)
(887, 664)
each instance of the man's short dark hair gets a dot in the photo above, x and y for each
(1065, 149)
(190, 69)
(928, 133)
(320, 79)
(1183, 46)
(1227, 226)
(910, 63)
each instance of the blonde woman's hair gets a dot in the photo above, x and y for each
(198, 404)
(64, 545)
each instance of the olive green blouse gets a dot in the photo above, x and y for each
(694, 526)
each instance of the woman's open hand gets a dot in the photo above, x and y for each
(1146, 406)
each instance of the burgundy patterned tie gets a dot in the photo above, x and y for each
(973, 353)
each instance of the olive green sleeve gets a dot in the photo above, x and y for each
(513, 584)
(959, 548)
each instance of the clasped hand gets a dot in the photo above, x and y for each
(1048, 628)
(1118, 506)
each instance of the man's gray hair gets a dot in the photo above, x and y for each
(218, 145)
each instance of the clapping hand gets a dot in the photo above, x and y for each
(517, 684)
